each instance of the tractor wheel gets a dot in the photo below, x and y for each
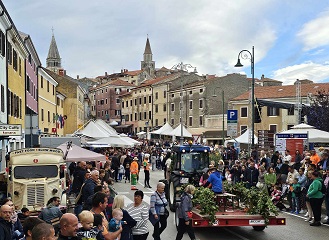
(176, 220)
(173, 184)
(258, 228)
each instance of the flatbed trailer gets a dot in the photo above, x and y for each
(232, 216)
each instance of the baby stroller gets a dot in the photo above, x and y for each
(279, 195)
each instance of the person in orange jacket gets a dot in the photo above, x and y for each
(134, 173)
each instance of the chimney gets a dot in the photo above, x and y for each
(78, 77)
(105, 74)
(262, 77)
(61, 72)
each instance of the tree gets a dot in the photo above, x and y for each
(318, 112)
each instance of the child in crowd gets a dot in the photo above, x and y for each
(88, 231)
(121, 171)
(116, 222)
(276, 194)
(295, 192)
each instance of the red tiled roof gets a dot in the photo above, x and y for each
(119, 82)
(284, 91)
(133, 73)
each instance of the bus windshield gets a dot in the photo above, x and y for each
(194, 161)
(28, 172)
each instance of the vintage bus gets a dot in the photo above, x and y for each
(35, 175)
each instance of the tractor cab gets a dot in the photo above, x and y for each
(188, 164)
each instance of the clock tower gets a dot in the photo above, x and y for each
(148, 64)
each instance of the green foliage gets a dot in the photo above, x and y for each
(205, 198)
(215, 156)
(256, 201)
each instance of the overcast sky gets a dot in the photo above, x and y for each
(291, 37)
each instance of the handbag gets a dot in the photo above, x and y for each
(152, 219)
(80, 194)
(259, 185)
(166, 212)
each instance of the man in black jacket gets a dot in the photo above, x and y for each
(115, 165)
(79, 177)
(5, 225)
(251, 175)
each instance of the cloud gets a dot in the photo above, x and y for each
(307, 70)
(315, 33)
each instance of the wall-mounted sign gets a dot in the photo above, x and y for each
(7, 130)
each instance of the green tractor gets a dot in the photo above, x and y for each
(188, 164)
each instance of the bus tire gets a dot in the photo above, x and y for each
(258, 228)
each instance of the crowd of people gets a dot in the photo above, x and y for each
(100, 213)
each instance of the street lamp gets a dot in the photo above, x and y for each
(246, 54)
(182, 67)
(223, 106)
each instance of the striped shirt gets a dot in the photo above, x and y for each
(141, 215)
(158, 202)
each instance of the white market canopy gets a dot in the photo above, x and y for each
(314, 135)
(77, 154)
(96, 129)
(164, 130)
(177, 132)
(244, 138)
(112, 141)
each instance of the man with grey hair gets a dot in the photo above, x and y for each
(5, 224)
(88, 188)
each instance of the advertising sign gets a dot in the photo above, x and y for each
(7, 130)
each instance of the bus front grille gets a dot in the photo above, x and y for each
(35, 194)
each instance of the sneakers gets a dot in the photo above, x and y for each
(297, 212)
(302, 211)
(326, 219)
(326, 222)
(308, 219)
(306, 215)
(292, 211)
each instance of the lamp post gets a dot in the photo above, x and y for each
(182, 67)
(246, 54)
(223, 121)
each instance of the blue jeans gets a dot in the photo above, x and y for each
(295, 204)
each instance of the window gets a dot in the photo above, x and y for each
(201, 103)
(150, 114)
(172, 121)
(41, 82)
(144, 100)
(164, 120)
(28, 83)
(173, 107)
(150, 99)
(2, 43)
(140, 101)
(273, 128)
(190, 121)
(136, 117)
(140, 116)
(2, 98)
(272, 111)
(53, 90)
(47, 86)
(200, 120)
(172, 95)
(126, 103)
(48, 115)
(191, 104)
(156, 107)
(164, 94)
(19, 66)
(190, 92)
(131, 103)
(131, 117)
(165, 107)
(105, 100)
(244, 112)
(9, 53)
(289, 127)
(156, 122)
(15, 60)
(42, 115)
(123, 104)
(117, 100)
(201, 90)
(98, 114)
(135, 101)
(156, 95)
(291, 111)
(243, 129)
(53, 117)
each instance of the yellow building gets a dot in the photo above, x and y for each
(47, 104)
(73, 108)
(17, 53)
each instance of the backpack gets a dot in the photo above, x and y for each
(323, 188)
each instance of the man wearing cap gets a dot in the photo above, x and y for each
(134, 173)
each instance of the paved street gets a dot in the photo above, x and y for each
(296, 227)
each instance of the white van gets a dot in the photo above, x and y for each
(35, 176)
